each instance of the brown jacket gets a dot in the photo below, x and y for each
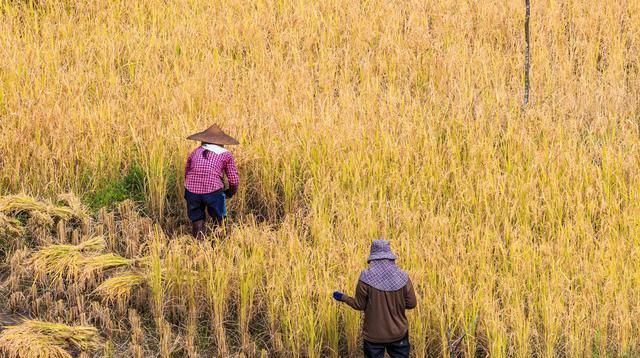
(384, 317)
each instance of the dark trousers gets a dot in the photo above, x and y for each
(397, 349)
(214, 203)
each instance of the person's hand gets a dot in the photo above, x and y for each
(229, 193)
(338, 296)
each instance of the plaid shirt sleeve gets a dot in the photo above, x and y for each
(187, 166)
(232, 172)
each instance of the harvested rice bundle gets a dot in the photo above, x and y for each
(93, 268)
(118, 288)
(58, 261)
(75, 205)
(10, 226)
(97, 264)
(23, 203)
(11, 233)
(32, 339)
(20, 203)
(21, 344)
(83, 263)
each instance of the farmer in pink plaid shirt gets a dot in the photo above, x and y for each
(203, 178)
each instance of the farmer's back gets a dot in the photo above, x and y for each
(384, 311)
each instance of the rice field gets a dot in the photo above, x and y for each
(520, 229)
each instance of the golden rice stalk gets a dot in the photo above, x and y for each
(32, 339)
(119, 287)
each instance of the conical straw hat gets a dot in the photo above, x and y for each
(214, 135)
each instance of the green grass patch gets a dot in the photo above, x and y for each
(130, 186)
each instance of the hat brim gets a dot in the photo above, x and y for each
(381, 256)
(220, 139)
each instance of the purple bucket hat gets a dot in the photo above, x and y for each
(381, 250)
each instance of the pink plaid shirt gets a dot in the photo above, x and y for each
(204, 175)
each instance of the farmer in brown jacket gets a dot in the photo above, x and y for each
(383, 292)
